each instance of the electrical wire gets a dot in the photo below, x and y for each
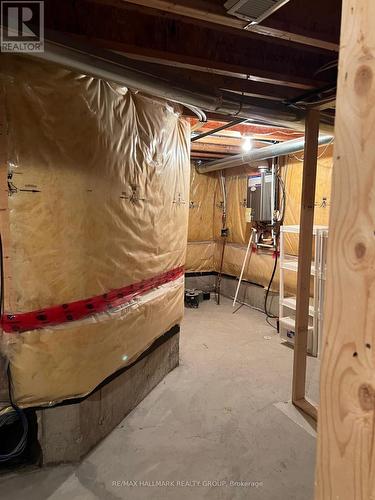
(320, 156)
(224, 222)
(283, 190)
(269, 315)
(269, 322)
(279, 132)
(7, 416)
(280, 221)
(10, 417)
(327, 67)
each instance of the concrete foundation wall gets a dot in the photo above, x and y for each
(250, 294)
(205, 282)
(68, 432)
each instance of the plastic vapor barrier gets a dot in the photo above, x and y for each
(205, 190)
(98, 179)
(292, 175)
(204, 206)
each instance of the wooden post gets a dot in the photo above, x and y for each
(304, 261)
(346, 429)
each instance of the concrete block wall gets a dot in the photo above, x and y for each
(66, 433)
(250, 294)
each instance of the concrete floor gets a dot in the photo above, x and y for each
(211, 422)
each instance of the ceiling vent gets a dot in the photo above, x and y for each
(253, 11)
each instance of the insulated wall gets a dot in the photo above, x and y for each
(98, 200)
(205, 199)
(260, 266)
(292, 175)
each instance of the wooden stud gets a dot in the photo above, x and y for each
(147, 59)
(307, 407)
(346, 437)
(305, 255)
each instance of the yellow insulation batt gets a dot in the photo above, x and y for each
(99, 197)
(204, 202)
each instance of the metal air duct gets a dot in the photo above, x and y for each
(117, 68)
(280, 149)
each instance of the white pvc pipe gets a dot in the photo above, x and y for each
(243, 265)
(114, 67)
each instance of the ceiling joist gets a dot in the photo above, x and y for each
(215, 13)
(186, 45)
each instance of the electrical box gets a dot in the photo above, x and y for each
(260, 197)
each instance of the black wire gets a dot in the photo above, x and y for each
(269, 322)
(21, 445)
(269, 315)
(282, 184)
(268, 290)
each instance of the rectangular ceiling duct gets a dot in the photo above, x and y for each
(253, 11)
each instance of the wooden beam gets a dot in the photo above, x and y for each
(307, 407)
(213, 147)
(236, 83)
(150, 56)
(305, 255)
(220, 139)
(221, 127)
(211, 156)
(346, 437)
(319, 18)
(246, 85)
(293, 37)
(256, 131)
(181, 42)
(217, 15)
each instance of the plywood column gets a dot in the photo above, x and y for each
(346, 428)
(304, 260)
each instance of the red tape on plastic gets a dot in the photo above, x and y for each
(64, 313)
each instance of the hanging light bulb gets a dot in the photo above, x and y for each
(247, 143)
